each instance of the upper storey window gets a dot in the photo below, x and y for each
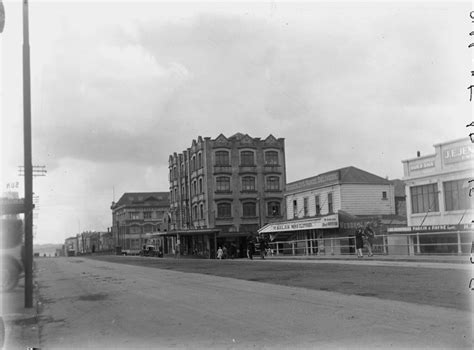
(247, 158)
(222, 158)
(271, 158)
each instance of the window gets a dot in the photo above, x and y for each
(424, 198)
(330, 204)
(200, 186)
(223, 184)
(171, 174)
(455, 196)
(135, 216)
(273, 209)
(175, 173)
(249, 209)
(195, 212)
(135, 229)
(223, 210)
(147, 215)
(295, 208)
(194, 188)
(384, 195)
(317, 205)
(176, 194)
(199, 160)
(222, 158)
(201, 209)
(248, 183)
(193, 163)
(273, 183)
(305, 207)
(271, 158)
(182, 169)
(247, 158)
(183, 192)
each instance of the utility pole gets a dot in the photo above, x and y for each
(28, 167)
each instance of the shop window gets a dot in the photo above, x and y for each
(271, 158)
(424, 198)
(222, 158)
(247, 158)
(249, 209)
(456, 195)
(224, 210)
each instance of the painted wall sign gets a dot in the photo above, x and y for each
(431, 228)
(458, 154)
(330, 221)
(422, 165)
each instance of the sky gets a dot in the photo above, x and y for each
(119, 86)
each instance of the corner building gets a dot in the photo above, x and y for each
(223, 190)
(439, 207)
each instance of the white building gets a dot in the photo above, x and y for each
(439, 208)
(329, 205)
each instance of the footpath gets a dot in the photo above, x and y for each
(22, 324)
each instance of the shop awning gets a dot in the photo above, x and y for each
(314, 223)
(194, 232)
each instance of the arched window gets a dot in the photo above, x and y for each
(271, 158)
(273, 209)
(223, 210)
(273, 183)
(199, 160)
(223, 184)
(200, 186)
(222, 158)
(248, 183)
(247, 158)
(249, 209)
(201, 209)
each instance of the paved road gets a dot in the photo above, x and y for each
(97, 304)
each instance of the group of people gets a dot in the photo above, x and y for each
(227, 253)
(223, 252)
(364, 235)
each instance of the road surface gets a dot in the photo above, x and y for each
(89, 303)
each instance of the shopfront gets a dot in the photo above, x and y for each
(199, 243)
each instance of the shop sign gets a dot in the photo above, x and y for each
(458, 154)
(422, 165)
(431, 228)
(330, 221)
(313, 181)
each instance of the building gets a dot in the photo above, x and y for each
(330, 205)
(439, 207)
(223, 190)
(138, 216)
(71, 246)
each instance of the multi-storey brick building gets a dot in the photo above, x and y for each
(138, 216)
(223, 190)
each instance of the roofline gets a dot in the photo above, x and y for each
(466, 138)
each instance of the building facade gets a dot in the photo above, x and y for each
(329, 205)
(439, 207)
(136, 217)
(223, 190)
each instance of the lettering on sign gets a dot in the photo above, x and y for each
(458, 154)
(424, 165)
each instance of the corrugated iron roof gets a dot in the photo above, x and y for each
(151, 198)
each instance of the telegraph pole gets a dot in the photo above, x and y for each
(28, 201)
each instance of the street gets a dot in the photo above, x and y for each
(89, 303)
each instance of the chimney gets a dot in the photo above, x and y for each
(418, 154)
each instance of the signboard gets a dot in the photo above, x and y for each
(422, 165)
(458, 154)
(330, 221)
(431, 228)
(313, 181)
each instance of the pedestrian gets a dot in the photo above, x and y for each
(220, 252)
(263, 247)
(369, 236)
(224, 252)
(177, 249)
(250, 249)
(359, 236)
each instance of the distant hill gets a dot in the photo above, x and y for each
(48, 249)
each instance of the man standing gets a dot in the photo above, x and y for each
(369, 236)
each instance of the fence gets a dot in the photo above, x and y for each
(438, 243)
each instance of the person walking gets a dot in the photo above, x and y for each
(250, 249)
(369, 236)
(263, 247)
(359, 236)
(220, 252)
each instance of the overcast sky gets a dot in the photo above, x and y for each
(119, 86)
